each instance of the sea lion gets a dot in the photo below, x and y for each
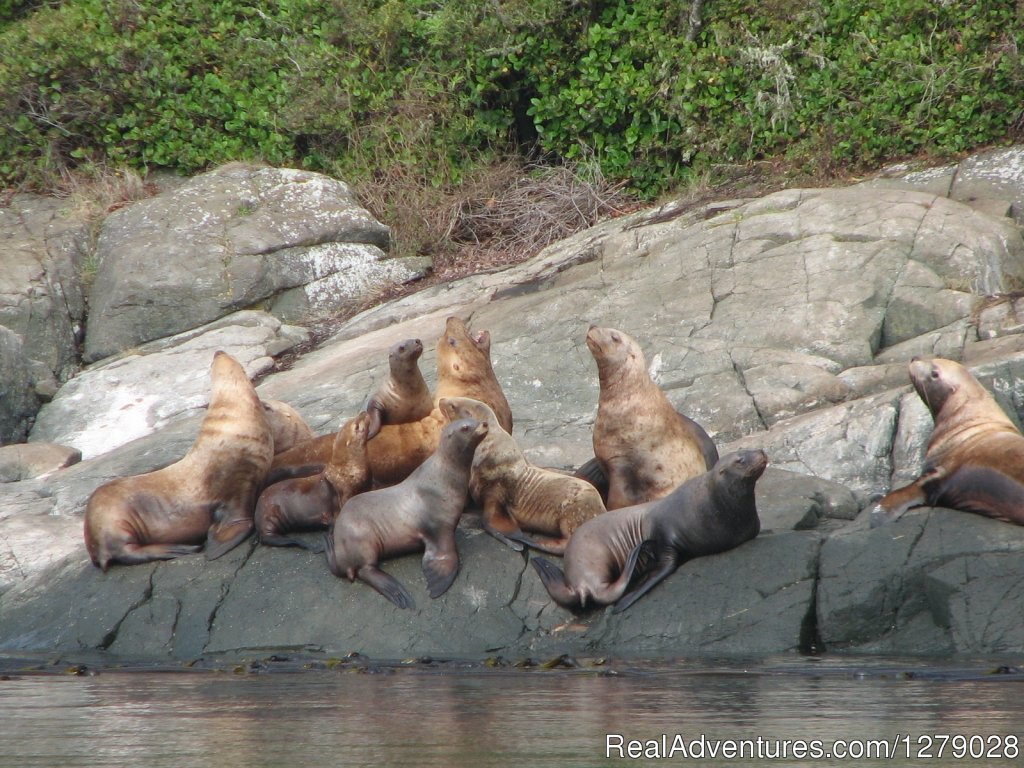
(515, 495)
(463, 370)
(421, 512)
(206, 496)
(975, 457)
(311, 503)
(642, 445)
(404, 397)
(707, 514)
(287, 426)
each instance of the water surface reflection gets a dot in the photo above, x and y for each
(486, 718)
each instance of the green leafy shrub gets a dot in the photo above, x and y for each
(420, 93)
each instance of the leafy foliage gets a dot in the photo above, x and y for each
(422, 92)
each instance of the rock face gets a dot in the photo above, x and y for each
(783, 323)
(228, 240)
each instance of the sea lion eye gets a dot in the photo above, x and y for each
(452, 341)
(935, 373)
(616, 338)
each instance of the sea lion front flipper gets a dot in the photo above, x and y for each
(703, 439)
(895, 503)
(373, 410)
(226, 534)
(554, 582)
(547, 544)
(667, 563)
(594, 474)
(387, 585)
(440, 563)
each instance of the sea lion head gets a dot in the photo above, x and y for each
(405, 352)
(939, 381)
(614, 350)
(227, 374)
(746, 466)
(463, 436)
(351, 438)
(455, 408)
(460, 354)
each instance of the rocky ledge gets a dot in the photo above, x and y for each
(783, 323)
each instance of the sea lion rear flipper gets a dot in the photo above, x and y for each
(594, 474)
(667, 563)
(440, 564)
(554, 582)
(548, 544)
(131, 554)
(286, 541)
(387, 585)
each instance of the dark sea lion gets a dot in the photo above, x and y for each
(404, 397)
(707, 514)
(463, 370)
(975, 457)
(421, 512)
(287, 426)
(642, 445)
(311, 503)
(206, 496)
(517, 496)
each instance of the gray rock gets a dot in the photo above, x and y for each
(18, 400)
(41, 254)
(228, 240)
(997, 174)
(876, 591)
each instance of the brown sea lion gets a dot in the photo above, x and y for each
(404, 397)
(206, 496)
(642, 445)
(287, 426)
(517, 496)
(421, 512)
(311, 503)
(463, 370)
(975, 457)
(707, 514)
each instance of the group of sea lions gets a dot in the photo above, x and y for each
(396, 478)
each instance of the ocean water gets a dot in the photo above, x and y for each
(783, 711)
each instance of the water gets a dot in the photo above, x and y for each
(454, 716)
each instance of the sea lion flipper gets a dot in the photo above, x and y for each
(226, 534)
(895, 503)
(554, 582)
(440, 564)
(594, 473)
(667, 563)
(374, 424)
(387, 585)
(131, 554)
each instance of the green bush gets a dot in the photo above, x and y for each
(423, 91)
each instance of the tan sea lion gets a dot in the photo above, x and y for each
(643, 446)
(287, 426)
(463, 370)
(517, 496)
(421, 512)
(206, 496)
(975, 457)
(311, 503)
(707, 514)
(404, 396)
